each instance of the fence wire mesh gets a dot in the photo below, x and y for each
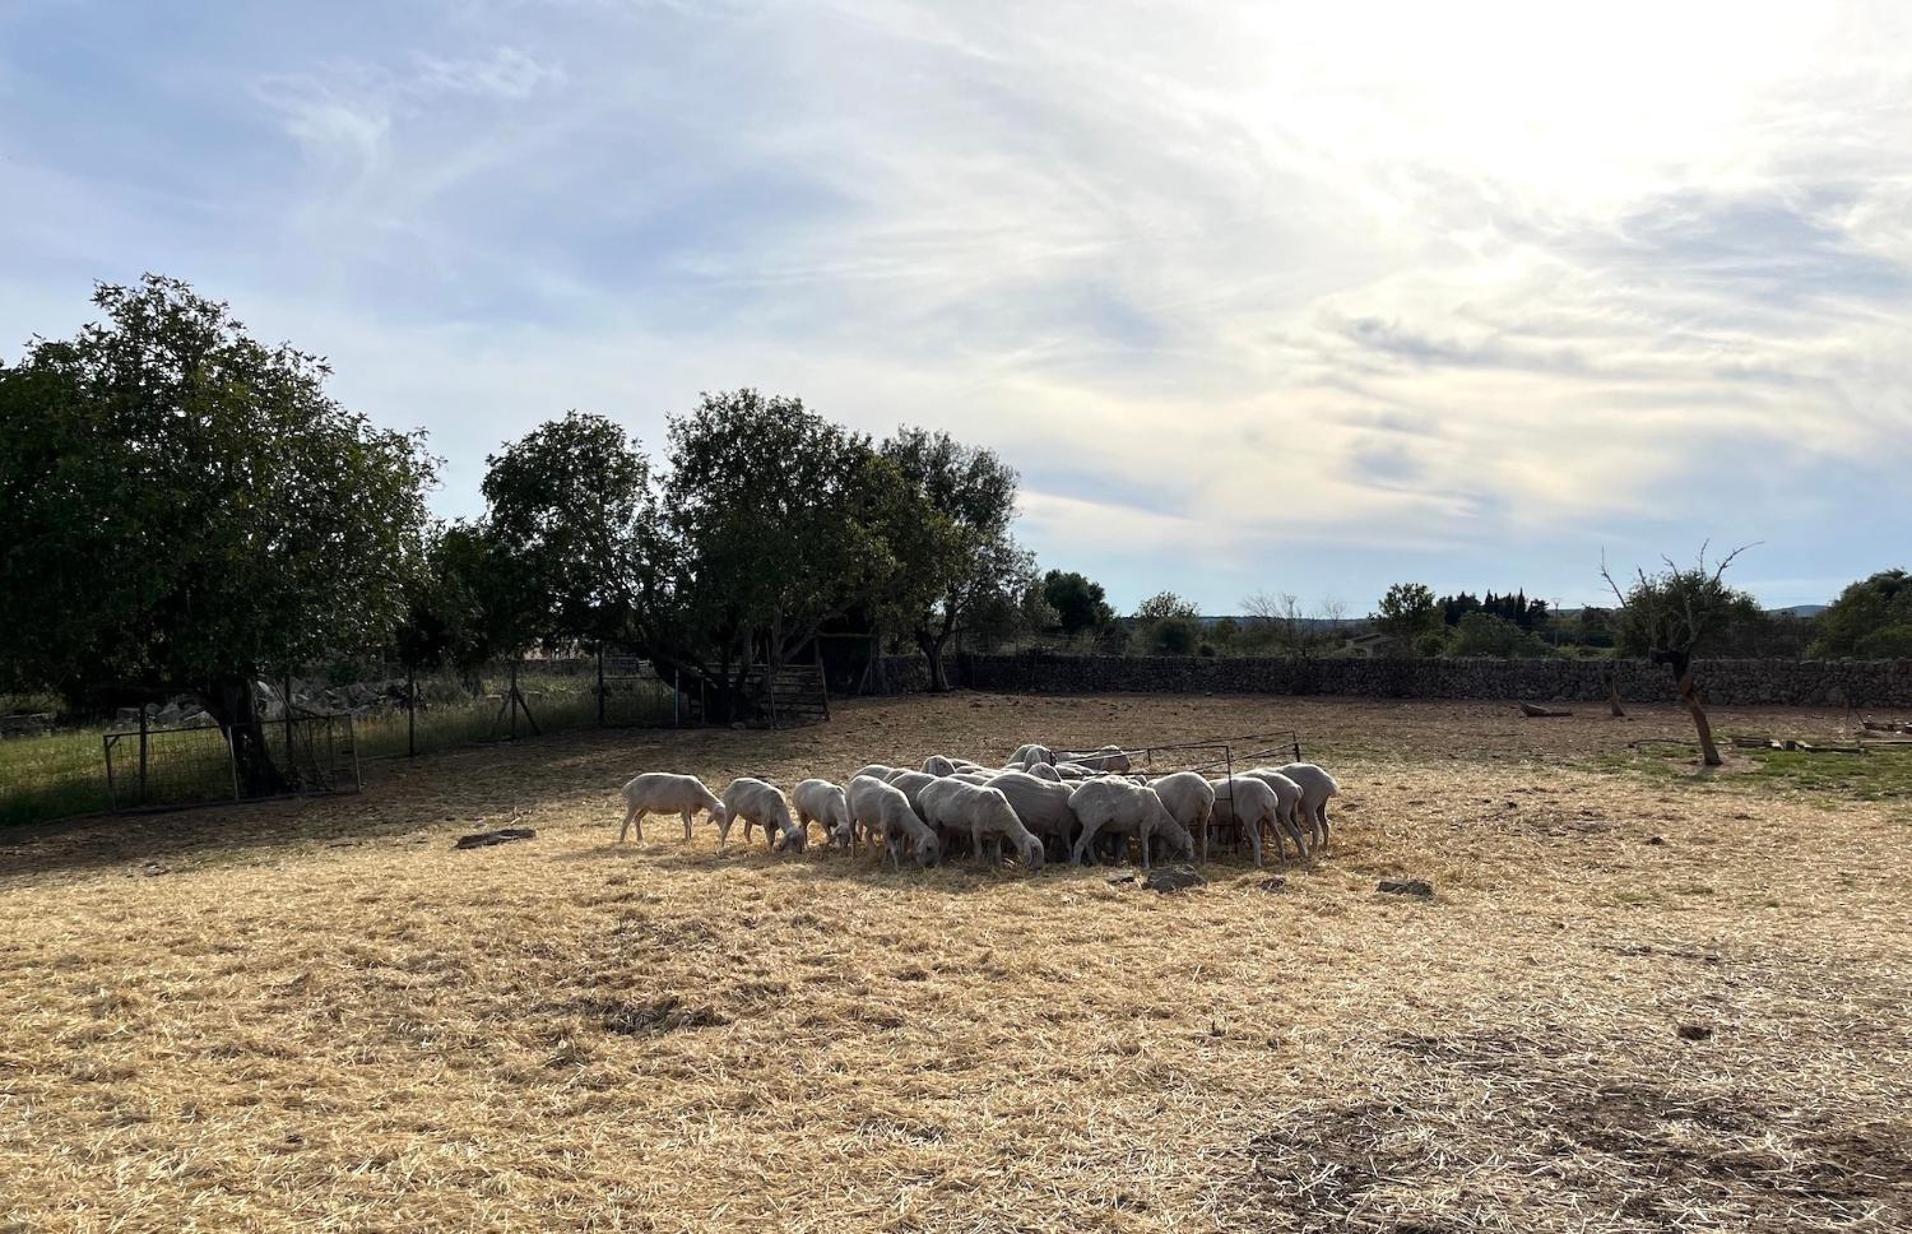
(162, 768)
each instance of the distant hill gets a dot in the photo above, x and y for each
(1800, 610)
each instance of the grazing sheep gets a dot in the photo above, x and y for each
(1045, 771)
(1074, 771)
(1114, 805)
(937, 765)
(1288, 796)
(1248, 803)
(912, 783)
(882, 771)
(662, 792)
(761, 803)
(1031, 753)
(824, 802)
(1316, 787)
(1042, 805)
(955, 806)
(963, 764)
(1103, 758)
(1189, 800)
(884, 813)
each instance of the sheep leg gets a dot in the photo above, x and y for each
(975, 841)
(896, 862)
(632, 815)
(1321, 824)
(723, 832)
(1254, 841)
(687, 824)
(1147, 832)
(1083, 842)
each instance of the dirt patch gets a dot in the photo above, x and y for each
(1662, 1154)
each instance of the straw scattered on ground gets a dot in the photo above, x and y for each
(1636, 1002)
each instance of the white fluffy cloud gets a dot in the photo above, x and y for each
(1311, 296)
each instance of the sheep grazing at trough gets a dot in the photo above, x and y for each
(825, 803)
(881, 771)
(1045, 771)
(1248, 803)
(955, 806)
(1287, 800)
(884, 813)
(1043, 807)
(963, 764)
(1025, 755)
(1110, 805)
(1073, 771)
(663, 792)
(1189, 800)
(937, 765)
(1316, 787)
(763, 804)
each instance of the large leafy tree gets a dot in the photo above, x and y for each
(572, 525)
(185, 508)
(1871, 619)
(774, 518)
(1680, 613)
(951, 539)
(1080, 604)
(1408, 612)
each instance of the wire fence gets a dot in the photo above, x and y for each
(167, 768)
(175, 754)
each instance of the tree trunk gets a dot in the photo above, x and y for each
(1682, 666)
(233, 705)
(1613, 695)
(932, 646)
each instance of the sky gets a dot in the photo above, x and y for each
(1256, 297)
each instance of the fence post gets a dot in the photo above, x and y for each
(511, 699)
(112, 797)
(142, 755)
(677, 697)
(232, 755)
(411, 716)
(285, 704)
(600, 667)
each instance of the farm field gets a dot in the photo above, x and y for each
(1639, 1000)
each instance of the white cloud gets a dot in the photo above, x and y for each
(1270, 281)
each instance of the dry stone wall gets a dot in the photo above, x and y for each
(1800, 683)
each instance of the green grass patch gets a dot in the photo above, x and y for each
(1877, 775)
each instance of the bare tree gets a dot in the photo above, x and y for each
(1278, 614)
(1670, 615)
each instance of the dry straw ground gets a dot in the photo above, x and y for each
(318, 1016)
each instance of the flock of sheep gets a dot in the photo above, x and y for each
(1039, 802)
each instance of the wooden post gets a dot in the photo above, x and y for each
(285, 705)
(142, 754)
(411, 717)
(600, 671)
(511, 699)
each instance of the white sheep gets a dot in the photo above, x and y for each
(1045, 771)
(663, 792)
(913, 783)
(1115, 805)
(1031, 753)
(955, 805)
(1250, 804)
(1287, 797)
(1074, 771)
(882, 771)
(1189, 800)
(1316, 787)
(1103, 758)
(824, 802)
(937, 765)
(884, 813)
(1042, 805)
(756, 801)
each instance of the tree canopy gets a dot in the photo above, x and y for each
(1871, 619)
(1080, 605)
(185, 508)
